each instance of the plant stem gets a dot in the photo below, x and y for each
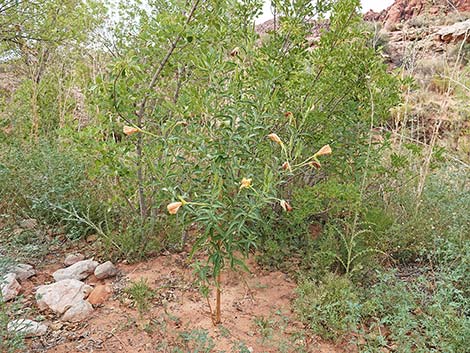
(217, 304)
(141, 112)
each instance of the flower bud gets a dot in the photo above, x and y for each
(273, 137)
(323, 151)
(245, 183)
(129, 130)
(174, 207)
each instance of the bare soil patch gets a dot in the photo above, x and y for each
(256, 313)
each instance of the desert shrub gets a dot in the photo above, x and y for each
(440, 85)
(430, 67)
(418, 303)
(418, 21)
(459, 53)
(421, 316)
(219, 95)
(405, 232)
(330, 308)
(44, 181)
(441, 295)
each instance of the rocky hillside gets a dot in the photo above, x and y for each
(425, 40)
(402, 10)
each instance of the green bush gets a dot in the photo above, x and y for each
(330, 308)
(49, 183)
(420, 318)
(421, 303)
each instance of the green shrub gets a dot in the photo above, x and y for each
(419, 318)
(45, 180)
(330, 308)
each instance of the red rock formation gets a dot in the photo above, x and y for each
(403, 10)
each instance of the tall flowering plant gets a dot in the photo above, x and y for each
(226, 214)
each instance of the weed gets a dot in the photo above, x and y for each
(36, 182)
(197, 341)
(141, 295)
(330, 308)
(264, 326)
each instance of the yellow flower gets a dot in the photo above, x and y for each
(273, 137)
(174, 207)
(323, 151)
(246, 183)
(129, 130)
(285, 205)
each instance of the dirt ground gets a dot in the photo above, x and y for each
(256, 314)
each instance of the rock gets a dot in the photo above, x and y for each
(23, 271)
(30, 223)
(62, 295)
(455, 33)
(9, 286)
(79, 312)
(403, 10)
(28, 328)
(72, 259)
(105, 270)
(100, 294)
(78, 271)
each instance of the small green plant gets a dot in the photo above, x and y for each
(353, 250)
(230, 209)
(330, 308)
(10, 342)
(141, 295)
(265, 326)
(196, 341)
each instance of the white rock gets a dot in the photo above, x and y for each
(456, 32)
(62, 295)
(78, 312)
(105, 270)
(78, 271)
(23, 271)
(28, 328)
(30, 223)
(9, 286)
(71, 259)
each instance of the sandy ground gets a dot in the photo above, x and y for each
(256, 310)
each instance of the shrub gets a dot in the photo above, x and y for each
(330, 308)
(42, 181)
(418, 318)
